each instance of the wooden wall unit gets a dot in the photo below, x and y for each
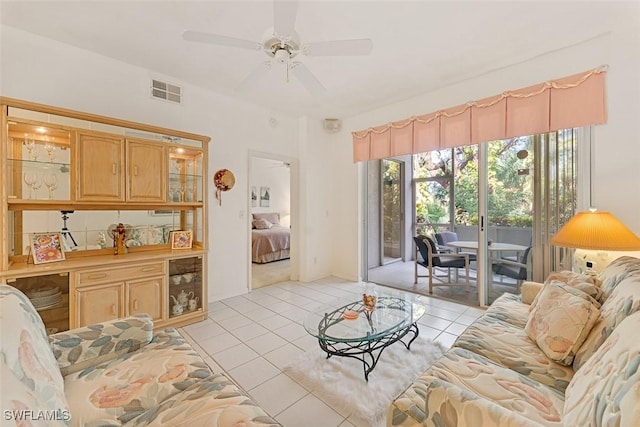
(84, 163)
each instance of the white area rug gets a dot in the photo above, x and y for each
(340, 380)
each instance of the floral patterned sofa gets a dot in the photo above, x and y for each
(570, 357)
(109, 374)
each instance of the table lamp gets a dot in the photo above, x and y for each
(593, 234)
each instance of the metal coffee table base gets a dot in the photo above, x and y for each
(373, 349)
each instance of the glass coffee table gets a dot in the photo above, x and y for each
(352, 331)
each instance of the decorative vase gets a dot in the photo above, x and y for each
(369, 297)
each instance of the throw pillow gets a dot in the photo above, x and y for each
(586, 283)
(561, 321)
(272, 217)
(262, 224)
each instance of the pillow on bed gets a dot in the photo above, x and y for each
(272, 217)
(261, 224)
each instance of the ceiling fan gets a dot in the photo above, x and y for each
(282, 44)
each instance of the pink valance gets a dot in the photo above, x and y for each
(573, 101)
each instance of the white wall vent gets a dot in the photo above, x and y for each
(166, 91)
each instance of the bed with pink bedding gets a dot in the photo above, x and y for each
(270, 241)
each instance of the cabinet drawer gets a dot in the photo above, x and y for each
(116, 274)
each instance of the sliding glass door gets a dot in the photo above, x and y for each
(528, 190)
(510, 209)
(505, 197)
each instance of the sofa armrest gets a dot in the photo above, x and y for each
(80, 348)
(439, 403)
(529, 291)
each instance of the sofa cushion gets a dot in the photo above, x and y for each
(510, 346)
(81, 348)
(509, 308)
(616, 272)
(606, 390)
(116, 391)
(504, 387)
(24, 349)
(561, 321)
(215, 401)
(16, 397)
(623, 301)
(430, 401)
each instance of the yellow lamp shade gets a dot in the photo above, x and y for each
(597, 231)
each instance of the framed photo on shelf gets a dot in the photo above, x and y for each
(181, 239)
(46, 247)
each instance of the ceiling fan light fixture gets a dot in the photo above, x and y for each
(282, 56)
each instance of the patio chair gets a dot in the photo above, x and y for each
(444, 237)
(426, 247)
(518, 270)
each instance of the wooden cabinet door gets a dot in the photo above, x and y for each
(100, 303)
(147, 296)
(147, 172)
(99, 162)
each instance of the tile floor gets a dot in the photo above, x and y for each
(253, 336)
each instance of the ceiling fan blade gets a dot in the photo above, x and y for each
(307, 79)
(200, 37)
(254, 75)
(339, 48)
(284, 17)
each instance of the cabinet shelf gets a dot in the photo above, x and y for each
(38, 180)
(40, 165)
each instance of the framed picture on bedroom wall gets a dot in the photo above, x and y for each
(265, 195)
(254, 197)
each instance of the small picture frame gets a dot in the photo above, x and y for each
(47, 247)
(182, 239)
(254, 197)
(265, 197)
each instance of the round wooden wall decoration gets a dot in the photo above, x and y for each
(224, 180)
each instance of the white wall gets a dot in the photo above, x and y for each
(617, 155)
(275, 175)
(36, 69)
(317, 191)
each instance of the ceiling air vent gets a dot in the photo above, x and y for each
(166, 91)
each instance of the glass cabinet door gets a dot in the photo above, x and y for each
(49, 295)
(185, 285)
(38, 162)
(185, 175)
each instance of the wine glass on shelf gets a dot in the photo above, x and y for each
(30, 144)
(50, 150)
(37, 185)
(51, 181)
(30, 179)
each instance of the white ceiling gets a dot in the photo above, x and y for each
(418, 46)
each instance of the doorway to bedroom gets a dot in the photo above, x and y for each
(270, 215)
